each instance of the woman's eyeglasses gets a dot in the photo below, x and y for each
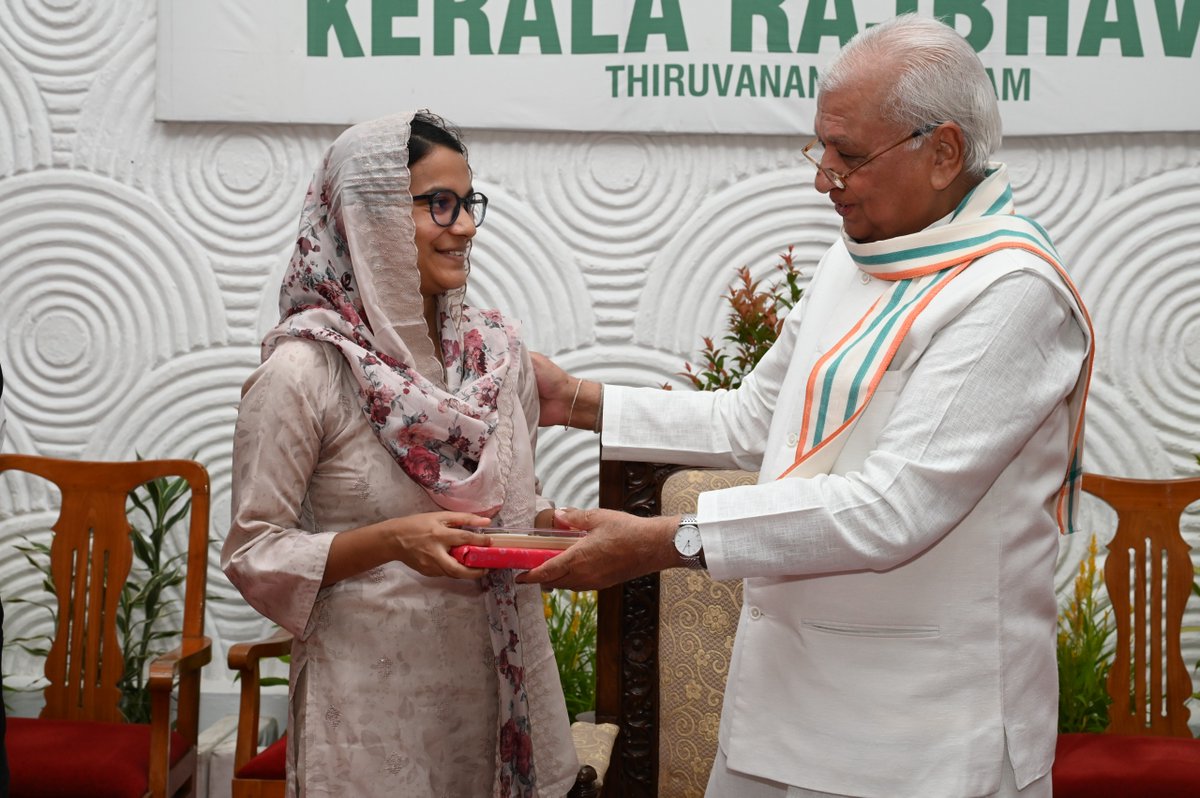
(444, 206)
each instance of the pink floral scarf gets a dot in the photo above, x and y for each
(353, 282)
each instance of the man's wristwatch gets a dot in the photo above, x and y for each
(687, 542)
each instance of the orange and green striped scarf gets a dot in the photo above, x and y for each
(919, 266)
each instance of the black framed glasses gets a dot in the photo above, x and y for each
(814, 151)
(445, 205)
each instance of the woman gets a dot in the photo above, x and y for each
(385, 416)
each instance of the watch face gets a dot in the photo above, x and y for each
(687, 540)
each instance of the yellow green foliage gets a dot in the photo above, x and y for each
(571, 620)
(1084, 653)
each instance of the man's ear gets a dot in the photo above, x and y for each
(949, 155)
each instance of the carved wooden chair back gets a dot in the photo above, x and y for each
(1147, 749)
(1149, 575)
(91, 555)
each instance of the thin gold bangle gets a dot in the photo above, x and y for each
(574, 398)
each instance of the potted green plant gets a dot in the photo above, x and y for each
(571, 621)
(756, 314)
(1084, 653)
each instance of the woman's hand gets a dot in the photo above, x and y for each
(555, 389)
(422, 542)
(565, 398)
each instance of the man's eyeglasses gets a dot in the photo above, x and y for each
(444, 206)
(814, 151)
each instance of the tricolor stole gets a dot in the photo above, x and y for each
(919, 266)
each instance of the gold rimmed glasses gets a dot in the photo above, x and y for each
(839, 178)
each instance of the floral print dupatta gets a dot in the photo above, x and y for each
(353, 282)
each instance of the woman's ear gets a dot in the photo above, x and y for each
(949, 156)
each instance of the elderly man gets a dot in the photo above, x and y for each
(917, 429)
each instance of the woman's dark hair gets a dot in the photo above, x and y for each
(428, 130)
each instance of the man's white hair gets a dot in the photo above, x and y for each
(939, 78)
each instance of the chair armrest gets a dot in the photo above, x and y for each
(245, 656)
(190, 655)
(184, 661)
(594, 745)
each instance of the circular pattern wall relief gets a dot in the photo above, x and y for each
(239, 188)
(1056, 183)
(183, 408)
(24, 126)
(115, 123)
(1133, 257)
(1136, 267)
(1118, 440)
(67, 39)
(98, 287)
(187, 408)
(567, 465)
(264, 287)
(618, 195)
(520, 266)
(747, 224)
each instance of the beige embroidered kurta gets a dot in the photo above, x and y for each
(393, 688)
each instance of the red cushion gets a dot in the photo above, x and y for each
(71, 758)
(269, 763)
(1120, 766)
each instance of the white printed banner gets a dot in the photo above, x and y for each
(680, 66)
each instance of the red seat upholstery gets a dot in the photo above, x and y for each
(270, 763)
(80, 745)
(1105, 765)
(73, 758)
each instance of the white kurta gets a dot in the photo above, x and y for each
(899, 622)
(393, 687)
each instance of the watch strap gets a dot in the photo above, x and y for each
(694, 561)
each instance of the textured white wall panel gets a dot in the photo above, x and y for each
(139, 264)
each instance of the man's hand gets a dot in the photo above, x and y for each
(618, 547)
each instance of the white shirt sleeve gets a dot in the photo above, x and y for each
(719, 429)
(984, 385)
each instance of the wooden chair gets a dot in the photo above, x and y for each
(1147, 749)
(663, 646)
(80, 745)
(257, 774)
(262, 774)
